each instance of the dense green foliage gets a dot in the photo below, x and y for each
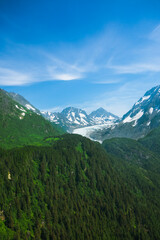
(139, 167)
(74, 190)
(19, 130)
(152, 141)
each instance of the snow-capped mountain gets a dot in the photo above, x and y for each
(53, 117)
(72, 118)
(69, 118)
(76, 116)
(139, 121)
(101, 116)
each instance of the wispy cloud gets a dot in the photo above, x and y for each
(135, 68)
(10, 77)
(102, 59)
(142, 56)
(65, 63)
(60, 70)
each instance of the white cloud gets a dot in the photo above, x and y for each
(10, 77)
(80, 60)
(63, 71)
(65, 76)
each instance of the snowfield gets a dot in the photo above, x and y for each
(135, 118)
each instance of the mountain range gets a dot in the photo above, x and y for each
(71, 118)
(100, 124)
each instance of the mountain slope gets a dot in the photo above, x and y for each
(21, 100)
(133, 151)
(139, 121)
(19, 125)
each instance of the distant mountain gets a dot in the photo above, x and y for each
(69, 118)
(101, 116)
(55, 117)
(21, 126)
(76, 116)
(72, 118)
(139, 121)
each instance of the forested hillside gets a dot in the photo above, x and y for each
(74, 190)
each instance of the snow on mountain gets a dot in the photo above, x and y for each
(151, 110)
(76, 116)
(101, 116)
(20, 108)
(143, 99)
(69, 118)
(21, 100)
(72, 118)
(52, 117)
(134, 118)
(148, 108)
(30, 107)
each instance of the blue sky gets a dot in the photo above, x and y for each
(86, 54)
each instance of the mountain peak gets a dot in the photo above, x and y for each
(100, 110)
(102, 113)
